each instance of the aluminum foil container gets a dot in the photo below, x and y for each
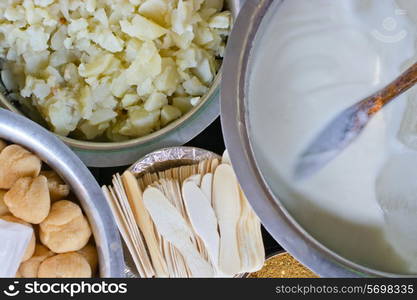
(22, 131)
(168, 158)
(162, 160)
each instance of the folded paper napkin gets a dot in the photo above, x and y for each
(15, 239)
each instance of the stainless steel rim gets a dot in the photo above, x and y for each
(282, 226)
(17, 129)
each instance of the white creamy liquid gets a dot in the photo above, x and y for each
(313, 59)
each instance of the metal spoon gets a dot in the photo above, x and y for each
(348, 125)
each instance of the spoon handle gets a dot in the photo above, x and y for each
(347, 126)
(377, 101)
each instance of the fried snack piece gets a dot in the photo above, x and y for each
(57, 188)
(66, 265)
(29, 200)
(3, 207)
(29, 268)
(3, 145)
(17, 162)
(31, 247)
(90, 254)
(66, 229)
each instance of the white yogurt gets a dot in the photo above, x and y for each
(312, 59)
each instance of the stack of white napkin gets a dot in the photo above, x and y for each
(15, 239)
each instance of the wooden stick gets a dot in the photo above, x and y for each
(144, 221)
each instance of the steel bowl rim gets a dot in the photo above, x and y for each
(20, 130)
(275, 217)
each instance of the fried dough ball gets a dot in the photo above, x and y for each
(3, 207)
(31, 247)
(17, 162)
(3, 145)
(29, 200)
(66, 229)
(29, 268)
(57, 188)
(90, 254)
(67, 265)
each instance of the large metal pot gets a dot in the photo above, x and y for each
(177, 133)
(268, 206)
(19, 130)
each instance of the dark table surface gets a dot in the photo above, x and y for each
(210, 139)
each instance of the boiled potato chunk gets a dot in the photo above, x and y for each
(183, 104)
(169, 113)
(221, 20)
(155, 101)
(168, 79)
(147, 64)
(129, 100)
(97, 66)
(140, 122)
(142, 28)
(154, 10)
(194, 87)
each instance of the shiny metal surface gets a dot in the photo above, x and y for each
(168, 158)
(274, 216)
(177, 133)
(19, 130)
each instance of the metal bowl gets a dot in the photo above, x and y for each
(19, 130)
(275, 217)
(179, 132)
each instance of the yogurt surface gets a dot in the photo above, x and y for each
(311, 60)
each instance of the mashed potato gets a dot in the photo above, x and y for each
(111, 68)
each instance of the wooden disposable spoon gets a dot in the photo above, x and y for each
(173, 227)
(348, 125)
(202, 218)
(226, 202)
